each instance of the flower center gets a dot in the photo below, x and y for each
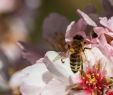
(91, 79)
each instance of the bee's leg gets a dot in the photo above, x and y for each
(84, 55)
(86, 48)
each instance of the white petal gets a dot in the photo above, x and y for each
(16, 80)
(94, 55)
(30, 78)
(90, 56)
(97, 53)
(34, 75)
(27, 89)
(33, 80)
(60, 70)
(55, 87)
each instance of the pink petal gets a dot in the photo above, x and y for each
(107, 23)
(111, 43)
(87, 19)
(68, 35)
(110, 21)
(7, 5)
(104, 21)
(75, 29)
(105, 48)
(102, 30)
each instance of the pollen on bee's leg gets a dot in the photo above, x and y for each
(84, 58)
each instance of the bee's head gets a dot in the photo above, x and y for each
(78, 37)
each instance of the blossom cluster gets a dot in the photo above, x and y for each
(51, 76)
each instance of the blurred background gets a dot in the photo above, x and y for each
(29, 28)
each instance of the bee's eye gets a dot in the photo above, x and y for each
(84, 42)
(78, 37)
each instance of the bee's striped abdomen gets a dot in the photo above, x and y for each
(75, 62)
(76, 49)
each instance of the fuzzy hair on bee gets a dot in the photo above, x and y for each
(76, 50)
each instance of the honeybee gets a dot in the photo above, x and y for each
(76, 50)
(76, 54)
